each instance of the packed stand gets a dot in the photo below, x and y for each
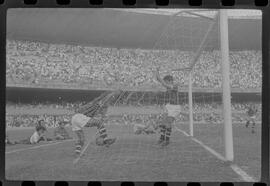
(202, 112)
(32, 120)
(42, 63)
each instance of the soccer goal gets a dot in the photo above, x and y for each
(203, 37)
(193, 48)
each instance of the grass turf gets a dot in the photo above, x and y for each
(136, 157)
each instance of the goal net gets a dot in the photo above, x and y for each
(188, 49)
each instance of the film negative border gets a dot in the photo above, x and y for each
(232, 4)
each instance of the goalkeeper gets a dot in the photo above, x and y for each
(91, 115)
(171, 109)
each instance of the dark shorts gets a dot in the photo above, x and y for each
(167, 121)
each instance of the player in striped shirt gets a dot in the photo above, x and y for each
(79, 121)
(92, 115)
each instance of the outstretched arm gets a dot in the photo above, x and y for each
(161, 80)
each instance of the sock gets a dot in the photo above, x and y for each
(247, 123)
(80, 142)
(168, 134)
(253, 126)
(78, 147)
(162, 135)
(102, 132)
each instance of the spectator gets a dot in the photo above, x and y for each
(35, 63)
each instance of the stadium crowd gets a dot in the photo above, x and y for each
(42, 63)
(36, 62)
(52, 121)
(203, 112)
(44, 105)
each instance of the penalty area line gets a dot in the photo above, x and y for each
(244, 176)
(37, 147)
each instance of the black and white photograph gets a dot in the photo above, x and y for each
(110, 94)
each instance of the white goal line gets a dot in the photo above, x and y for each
(243, 175)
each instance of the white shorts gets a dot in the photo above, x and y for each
(78, 121)
(252, 117)
(173, 110)
(138, 127)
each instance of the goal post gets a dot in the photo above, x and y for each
(190, 104)
(194, 49)
(221, 18)
(226, 90)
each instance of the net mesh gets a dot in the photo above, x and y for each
(186, 45)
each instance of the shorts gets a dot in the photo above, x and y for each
(166, 121)
(173, 110)
(138, 128)
(253, 117)
(78, 121)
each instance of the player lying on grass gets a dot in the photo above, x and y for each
(251, 112)
(60, 133)
(91, 115)
(7, 141)
(36, 137)
(171, 108)
(148, 128)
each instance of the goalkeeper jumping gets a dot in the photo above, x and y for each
(92, 115)
(171, 109)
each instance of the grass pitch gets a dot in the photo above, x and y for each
(136, 157)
